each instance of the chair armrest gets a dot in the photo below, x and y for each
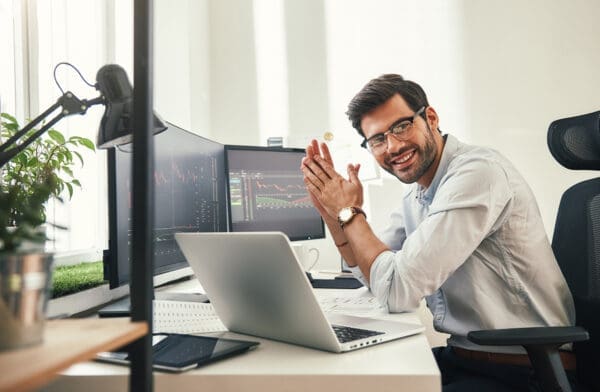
(528, 336)
(542, 345)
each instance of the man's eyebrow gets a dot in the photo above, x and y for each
(398, 121)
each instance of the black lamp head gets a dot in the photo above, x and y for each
(116, 126)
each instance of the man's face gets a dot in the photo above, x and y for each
(412, 158)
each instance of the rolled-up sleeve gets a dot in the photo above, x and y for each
(357, 273)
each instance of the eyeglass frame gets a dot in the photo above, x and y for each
(390, 130)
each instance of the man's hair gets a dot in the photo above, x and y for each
(378, 91)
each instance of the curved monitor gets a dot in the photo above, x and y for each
(189, 194)
(266, 192)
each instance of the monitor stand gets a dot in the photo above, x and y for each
(121, 308)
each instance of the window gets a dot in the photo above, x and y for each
(37, 35)
(11, 66)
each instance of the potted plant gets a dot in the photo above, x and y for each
(41, 171)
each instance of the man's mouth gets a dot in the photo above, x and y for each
(403, 160)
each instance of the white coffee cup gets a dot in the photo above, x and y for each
(307, 256)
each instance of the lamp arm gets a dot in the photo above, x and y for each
(70, 105)
(13, 139)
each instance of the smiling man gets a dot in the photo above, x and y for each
(466, 235)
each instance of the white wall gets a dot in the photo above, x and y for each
(527, 64)
(497, 72)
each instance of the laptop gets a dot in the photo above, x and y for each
(258, 287)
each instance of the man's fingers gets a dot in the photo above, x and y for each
(310, 175)
(326, 167)
(311, 188)
(309, 151)
(317, 168)
(315, 148)
(326, 154)
(353, 173)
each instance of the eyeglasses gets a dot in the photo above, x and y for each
(377, 143)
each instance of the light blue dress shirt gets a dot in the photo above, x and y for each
(474, 246)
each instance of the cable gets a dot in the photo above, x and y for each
(76, 70)
(126, 148)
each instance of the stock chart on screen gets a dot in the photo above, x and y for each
(267, 193)
(189, 194)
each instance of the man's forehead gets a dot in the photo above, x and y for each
(382, 117)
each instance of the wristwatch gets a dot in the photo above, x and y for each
(346, 214)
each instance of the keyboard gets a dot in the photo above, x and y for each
(348, 334)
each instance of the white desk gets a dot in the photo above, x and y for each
(402, 365)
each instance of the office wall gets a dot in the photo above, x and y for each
(527, 64)
(497, 73)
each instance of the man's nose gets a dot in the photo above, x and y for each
(392, 143)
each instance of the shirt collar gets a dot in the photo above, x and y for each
(425, 195)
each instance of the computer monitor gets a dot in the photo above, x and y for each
(266, 192)
(189, 194)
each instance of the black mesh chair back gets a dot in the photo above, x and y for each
(575, 143)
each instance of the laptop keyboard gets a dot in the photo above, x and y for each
(348, 334)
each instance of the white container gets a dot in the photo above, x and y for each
(24, 287)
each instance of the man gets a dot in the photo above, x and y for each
(467, 235)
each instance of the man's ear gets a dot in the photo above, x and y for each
(432, 117)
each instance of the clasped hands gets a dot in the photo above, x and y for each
(329, 191)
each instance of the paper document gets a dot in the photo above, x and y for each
(357, 306)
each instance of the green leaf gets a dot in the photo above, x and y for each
(70, 188)
(79, 156)
(68, 155)
(76, 182)
(68, 171)
(12, 127)
(8, 117)
(56, 136)
(34, 161)
(22, 158)
(87, 143)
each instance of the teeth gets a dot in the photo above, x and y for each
(405, 158)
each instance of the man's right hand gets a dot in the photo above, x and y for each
(313, 153)
(312, 150)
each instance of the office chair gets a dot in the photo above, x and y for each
(575, 143)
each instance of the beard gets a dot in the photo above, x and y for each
(425, 157)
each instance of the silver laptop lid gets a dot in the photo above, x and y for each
(258, 287)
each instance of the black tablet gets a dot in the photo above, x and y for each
(178, 353)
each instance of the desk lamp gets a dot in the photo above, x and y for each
(116, 127)
(118, 124)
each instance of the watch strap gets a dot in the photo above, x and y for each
(355, 211)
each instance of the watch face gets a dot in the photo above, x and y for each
(345, 214)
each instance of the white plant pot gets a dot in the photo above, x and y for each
(24, 286)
